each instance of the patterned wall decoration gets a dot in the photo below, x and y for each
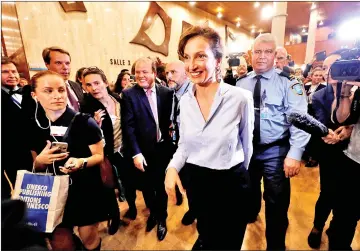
(143, 39)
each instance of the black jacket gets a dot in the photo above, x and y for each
(90, 105)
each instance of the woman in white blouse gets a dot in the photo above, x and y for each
(217, 122)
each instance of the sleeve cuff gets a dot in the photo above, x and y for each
(295, 153)
(136, 155)
(175, 164)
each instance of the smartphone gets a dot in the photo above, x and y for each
(320, 56)
(63, 146)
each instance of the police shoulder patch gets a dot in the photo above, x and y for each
(297, 88)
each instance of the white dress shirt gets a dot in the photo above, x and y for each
(225, 139)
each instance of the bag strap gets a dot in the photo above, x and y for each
(10, 184)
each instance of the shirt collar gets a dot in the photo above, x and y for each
(266, 75)
(7, 90)
(153, 89)
(183, 88)
(223, 88)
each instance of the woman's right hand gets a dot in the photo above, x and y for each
(99, 116)
(47, 155)
(171, 180)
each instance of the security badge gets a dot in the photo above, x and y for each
(297, 88)
(58, 130)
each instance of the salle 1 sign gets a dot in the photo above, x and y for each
(119, 62)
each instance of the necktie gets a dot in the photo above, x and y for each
(257, 102)
(154, 111)
(74, 103)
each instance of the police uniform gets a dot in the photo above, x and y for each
(279, 96)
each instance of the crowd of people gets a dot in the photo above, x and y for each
(184, 128)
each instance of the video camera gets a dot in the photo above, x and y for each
(348, 67)
(234, 59)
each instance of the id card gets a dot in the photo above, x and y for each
(58, 130)
(264, 113)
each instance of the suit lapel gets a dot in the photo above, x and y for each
(144, 100)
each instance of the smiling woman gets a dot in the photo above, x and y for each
(212, 157)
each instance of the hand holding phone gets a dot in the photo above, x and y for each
(61, 145)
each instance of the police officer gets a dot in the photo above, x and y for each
(278, 146)
(180, 83)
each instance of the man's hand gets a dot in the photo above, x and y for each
(171, 180)
(331, 138)
(344, 132)
(291, 167)
(139, 162)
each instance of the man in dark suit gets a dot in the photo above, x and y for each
(146, 121)
(15, 152)
(58, 60)
(329, 152)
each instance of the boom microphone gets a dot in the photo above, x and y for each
(307, 123)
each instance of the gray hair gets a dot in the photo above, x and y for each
(280, 48)
(265, 38)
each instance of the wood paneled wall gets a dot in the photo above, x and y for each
(105, 30)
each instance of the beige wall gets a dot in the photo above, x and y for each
(105, 30)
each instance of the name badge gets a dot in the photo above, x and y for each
(58, 130)
(264, 113)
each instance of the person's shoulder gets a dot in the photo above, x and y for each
(240, 93)
(319, 95)
(284, 75)
(245, 77)
(164, 88)
(132, 90)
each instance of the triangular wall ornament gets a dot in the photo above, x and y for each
(142, 38)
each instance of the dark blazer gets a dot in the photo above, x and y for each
(321, 103)
(307, 88)
(15, 150)
(138, 123)
(90, 105)
(78, 90)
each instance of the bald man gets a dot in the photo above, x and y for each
(281, 58)
(180, 83)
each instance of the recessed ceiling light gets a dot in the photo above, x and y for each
(192, 3)
(219, 15)
(238, 24)
(267, 12)
(256, 4)
(252, 30)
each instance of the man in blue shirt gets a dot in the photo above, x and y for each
(180, 83)
(278, 145)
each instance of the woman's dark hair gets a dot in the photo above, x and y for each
(35, 78)
(118, 88)
(210, 34)
(95, 70)
(79, 75)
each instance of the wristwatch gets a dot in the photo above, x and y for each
(84, 164)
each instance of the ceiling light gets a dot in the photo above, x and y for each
(321, 23)
(219, 15)
(252, 30)
(9, 18)
(303, 30)
(238, 24)
(267, 12)
(349, 30)
(256, 4)
(192, 3)
(219, 9)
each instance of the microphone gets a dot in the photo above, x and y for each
(309, 124)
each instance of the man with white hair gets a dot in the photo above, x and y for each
(278, 145)
(281, 56)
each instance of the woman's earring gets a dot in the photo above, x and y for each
(218, 74)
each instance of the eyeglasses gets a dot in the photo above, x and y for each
(260, 52)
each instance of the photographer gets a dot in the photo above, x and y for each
(237, 69)
(346, 212)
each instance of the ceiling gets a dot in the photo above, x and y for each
(298, 13)
(10, 31)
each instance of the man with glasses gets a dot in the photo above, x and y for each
(278, 145)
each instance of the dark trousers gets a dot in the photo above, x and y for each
(153, 178)
(126, 174)
(329, 161)
(268, 163)
(185, 179)
(224, 193)
(346, 212)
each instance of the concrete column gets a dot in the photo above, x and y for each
(310, 45)
(279, 22)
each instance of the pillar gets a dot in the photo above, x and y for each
(279, 22)
(310, 45)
